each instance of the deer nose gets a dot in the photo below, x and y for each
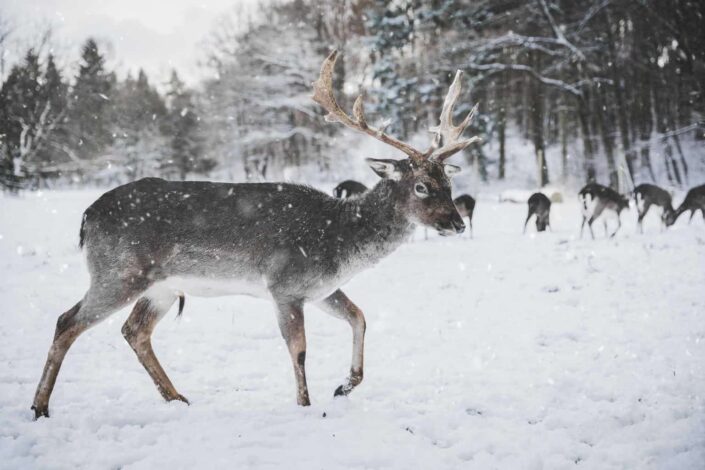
(458, 225)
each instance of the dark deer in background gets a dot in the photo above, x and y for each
(151, 240)
(349, 188)
(595, 199)
(694, 201)
(647, 195)
(466, 206)
(540, 206)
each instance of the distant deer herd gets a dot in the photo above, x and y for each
(595, 200)
(152, 241)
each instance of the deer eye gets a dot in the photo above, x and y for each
(421, 190)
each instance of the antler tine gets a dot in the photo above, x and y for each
(446, 131)
(323, 95)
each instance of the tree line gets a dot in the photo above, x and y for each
(612, 90)
(94, 127)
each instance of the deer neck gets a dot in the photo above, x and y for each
(377, 218)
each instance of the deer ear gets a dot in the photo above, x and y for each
(451, 170)
(385, 168)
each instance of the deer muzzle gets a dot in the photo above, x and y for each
(453, 226)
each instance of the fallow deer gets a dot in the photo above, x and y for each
(647, 195)
(694, 201)
(466, 206)
(151, 240)
(595, 199)
(540, 206)
(349, 188)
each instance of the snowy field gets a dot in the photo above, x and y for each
(506, 351)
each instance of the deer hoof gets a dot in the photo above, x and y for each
(342, 391)
(180, 397)
(40, 411)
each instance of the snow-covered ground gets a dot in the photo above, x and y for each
(505, 351)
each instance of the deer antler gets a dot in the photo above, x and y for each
(448, 133)
(323, 95)
(445, 132)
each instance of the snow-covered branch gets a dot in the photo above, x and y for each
(560, 37)
(499, 67)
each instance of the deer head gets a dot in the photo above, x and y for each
(422, 180)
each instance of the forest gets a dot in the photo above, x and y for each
(599, 90)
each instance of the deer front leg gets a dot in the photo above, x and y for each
(340, 306)
(291, 323)
(529, 216)
(582, 226)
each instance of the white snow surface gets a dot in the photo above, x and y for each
(541, 351)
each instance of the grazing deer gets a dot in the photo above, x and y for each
(466, 206)
(349, 188)
(595, 199)
(151, 240)
(540, 206)
(647, 195)
(694, 201)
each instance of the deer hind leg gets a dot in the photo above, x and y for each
(138, 329)
(340, 306)
(290, 316)
(100, 301)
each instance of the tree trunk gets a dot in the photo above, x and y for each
(562, 125)
(604, 123)
(588, 147)
(537, 127)
(621, 109)
(502, 124)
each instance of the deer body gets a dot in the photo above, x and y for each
(540, 206)
(647, 195)
(263, 239)
(595, 199)
(349, 188)
(151, 241)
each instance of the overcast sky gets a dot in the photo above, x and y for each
(154, 35)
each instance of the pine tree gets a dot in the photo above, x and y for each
(138, 115)
(183, 129)
(26, 124)
(90, 104)
(54, 92)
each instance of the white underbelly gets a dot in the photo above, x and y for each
(209, 287)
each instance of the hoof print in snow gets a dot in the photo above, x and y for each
(473, 412)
